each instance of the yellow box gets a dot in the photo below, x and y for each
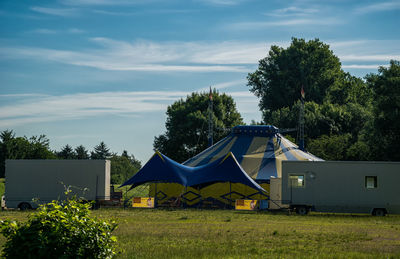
(143, 202)
(246, 204)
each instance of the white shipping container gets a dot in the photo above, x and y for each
(29, 183)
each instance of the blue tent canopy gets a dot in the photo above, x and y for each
(163, 169)
(259, 150)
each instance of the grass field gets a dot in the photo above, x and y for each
(233, 234)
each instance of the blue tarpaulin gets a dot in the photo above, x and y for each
(163, 169)
(259, 150)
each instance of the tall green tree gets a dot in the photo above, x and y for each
(386, 134)
(187, 124)
(338, 106)
(281, 75)
(101, 151)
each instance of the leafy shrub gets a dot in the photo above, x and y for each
(59, 230)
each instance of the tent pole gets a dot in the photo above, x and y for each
(201, 197)
(184, 203)
(230, 195)
(155, 195)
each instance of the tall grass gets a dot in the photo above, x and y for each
(232, 234)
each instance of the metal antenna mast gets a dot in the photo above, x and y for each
(210, 121)
(300, 132)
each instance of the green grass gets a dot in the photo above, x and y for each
(1, 187)
(232, 234)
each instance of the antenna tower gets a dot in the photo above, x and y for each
(210, 121)
(300, 130)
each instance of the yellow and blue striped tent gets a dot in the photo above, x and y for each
(258, 149)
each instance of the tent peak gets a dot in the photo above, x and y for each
(157, 153)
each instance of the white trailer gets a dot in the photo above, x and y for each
(340, 186)
(29, 183)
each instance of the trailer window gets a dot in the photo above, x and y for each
(296, 181)
(371, 182)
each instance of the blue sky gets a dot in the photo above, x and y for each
(85, 71)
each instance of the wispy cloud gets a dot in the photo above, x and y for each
(32, 108)
(43, 31)
(292, 11)
(113, 13)
(222, 2)
(143, 12)
(369, 58)
(65, 12)
(224, 85)
(105, 2)
(152, 56)
(82, 105)
(366, 54)
(75, 31)
(257, 25)
(230, 56)
(379, 7)
(50, 31)
(358, 66)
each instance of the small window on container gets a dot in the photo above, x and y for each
(371, 182)
(296, 181)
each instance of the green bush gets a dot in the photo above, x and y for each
(59, 230)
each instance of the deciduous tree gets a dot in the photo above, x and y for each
(187, 124)
(281, 75)
(386, 134)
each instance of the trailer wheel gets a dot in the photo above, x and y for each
(302, 210)
(24, 206)
(379, 212)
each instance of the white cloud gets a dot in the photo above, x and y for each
(44, 31)
(105, 2)
(36, 108)
(222, 2)
(65, 12)
(22, 95)
(83, 105)
(49, 31)
(365, 54)
(75, 31)
(357, 66)
(224, 85)
(229, 56)
(292, 11)
(379, 7)
(284, 23)
(369, 58)
(152, 56)
(113, 13)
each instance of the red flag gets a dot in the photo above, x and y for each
(303, 95)
(210, 94)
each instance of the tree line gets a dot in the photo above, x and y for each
(346, 117)
(123, 166)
